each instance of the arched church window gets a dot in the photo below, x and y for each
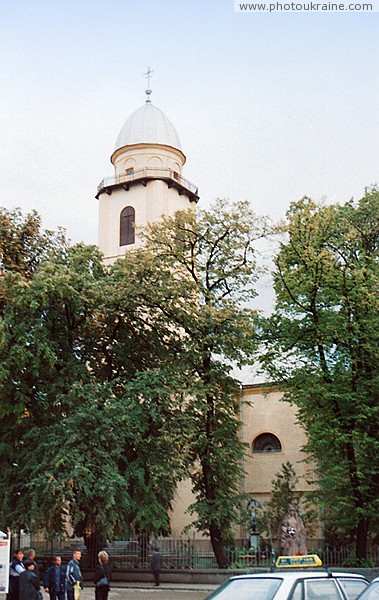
(127, 226)
(266, 442)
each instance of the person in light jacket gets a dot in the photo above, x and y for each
(16, 568)
(74, 578)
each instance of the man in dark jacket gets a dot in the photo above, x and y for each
(29, 584)
(31, 555)
(54, 581)
(156, 564)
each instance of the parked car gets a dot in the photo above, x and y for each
(292, 585)
(372, 591)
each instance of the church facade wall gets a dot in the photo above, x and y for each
(262, 411)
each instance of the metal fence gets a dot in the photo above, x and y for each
(337, 557)
(182, 553)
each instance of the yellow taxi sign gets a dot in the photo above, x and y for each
(308, 560)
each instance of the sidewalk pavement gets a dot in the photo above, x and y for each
(146, 585)
(136, 591)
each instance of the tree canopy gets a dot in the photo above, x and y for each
(115, 381)
(88, 433)
(23, 242)
(192, 278)
(323, 348)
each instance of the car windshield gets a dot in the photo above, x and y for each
(371, 592)
(263, 588)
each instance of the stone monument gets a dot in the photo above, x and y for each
(292, 534)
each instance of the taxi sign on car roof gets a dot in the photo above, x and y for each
(308, 560)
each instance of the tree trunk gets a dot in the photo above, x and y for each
(363, 523)
(361, 542)
(218, 546)
(94, 543)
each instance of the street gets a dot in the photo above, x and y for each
(156, 594)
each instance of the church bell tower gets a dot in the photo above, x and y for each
(147, 182)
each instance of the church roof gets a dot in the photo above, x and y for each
(148, 125)
(250, 375)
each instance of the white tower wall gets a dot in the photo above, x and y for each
(150, 203)
(139, 156)
(148, 164)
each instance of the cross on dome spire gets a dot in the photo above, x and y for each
(148, 75)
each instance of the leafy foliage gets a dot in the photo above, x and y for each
(284, 493)
(23, 245)
(323, 347)
(115, 385)
(204, 268)
(90, 434)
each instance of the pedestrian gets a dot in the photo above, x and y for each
(156, 564)
(29, 583)
(74, 578)
(31, 555)
(54, 581)
(102, 577)
(16, 568)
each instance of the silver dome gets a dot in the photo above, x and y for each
(148, 125)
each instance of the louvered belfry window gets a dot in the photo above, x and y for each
(127, 226)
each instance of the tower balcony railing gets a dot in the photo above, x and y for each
(172, 177)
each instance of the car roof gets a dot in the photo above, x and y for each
(294, 574)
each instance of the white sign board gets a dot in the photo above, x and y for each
(4, 565)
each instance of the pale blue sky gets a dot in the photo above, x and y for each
(268, 107)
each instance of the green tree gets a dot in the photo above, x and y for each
(284, 493)
(23, 242)
(43, 350)
(192, 279)
(323, 348)
(115, 381)
(87, 405)
(24, 246)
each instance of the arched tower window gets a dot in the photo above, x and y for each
(266, 442)
(127, 226)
